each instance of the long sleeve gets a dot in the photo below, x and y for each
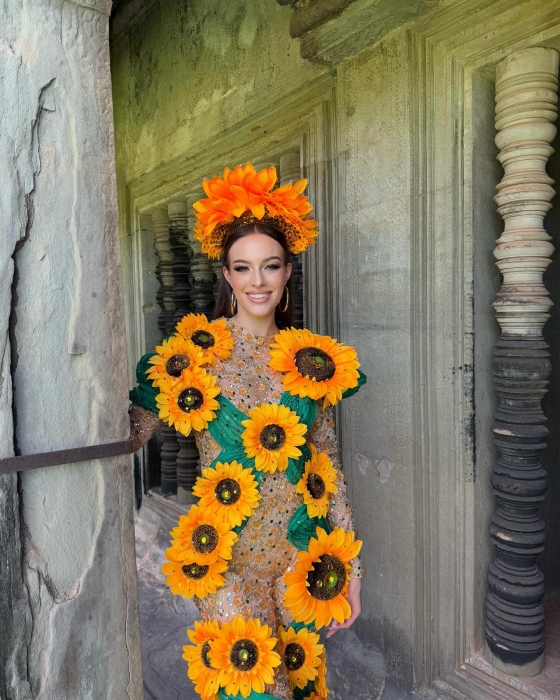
(323, 436)
(144, 424)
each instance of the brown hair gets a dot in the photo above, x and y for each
(283, 319)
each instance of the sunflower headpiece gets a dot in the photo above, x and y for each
(243, 196)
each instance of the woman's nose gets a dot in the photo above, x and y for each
(258, 278)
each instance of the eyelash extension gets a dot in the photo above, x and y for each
(244, 268)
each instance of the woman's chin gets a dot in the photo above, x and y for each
(258, 310)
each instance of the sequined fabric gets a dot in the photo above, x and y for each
(254, 581)
(143, 425)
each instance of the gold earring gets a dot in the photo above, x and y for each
(233, 304)
(287, 300)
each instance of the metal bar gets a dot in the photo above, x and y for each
(69, 456)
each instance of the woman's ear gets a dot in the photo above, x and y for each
(225, 273)
(288, 271)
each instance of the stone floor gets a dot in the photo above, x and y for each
(355, 673)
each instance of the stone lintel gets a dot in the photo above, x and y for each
(333, 30)
(309, 14)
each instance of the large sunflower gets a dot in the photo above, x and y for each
(190, 579)
(201, 672)
(189, 403)
(229, 490)
(172, 357)
(301, 654)
(318, 588)
(243, 653)
(202, 537)
(272, 435)
(314, 365)
(317, 483)
(212, 338)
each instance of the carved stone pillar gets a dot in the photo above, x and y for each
(185, 455)
(182, 254)
(172, 465)
(526, 97)
(290, 171)
(164, 271)
(202, 290)
(217, 269)
(188, 468)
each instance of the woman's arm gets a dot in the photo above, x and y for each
(144, 425)
(354, 599)
(323, 436)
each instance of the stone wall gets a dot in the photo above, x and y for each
(411, 131)
(67, 531)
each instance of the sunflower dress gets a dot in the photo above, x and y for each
(250, 580)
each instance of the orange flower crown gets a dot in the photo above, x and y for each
(243, 196)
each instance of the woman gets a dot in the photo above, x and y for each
(269, 552)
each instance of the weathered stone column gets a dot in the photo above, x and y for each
(68, 593)
(526, 98)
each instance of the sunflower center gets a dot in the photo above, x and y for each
(316, 485)
(194, 571)
(190, 399)
(203, 339)
(272, 437)
(294, 656)
(244, 654)
(315, 364)
(205, 655)
(327, 577)
(176, 364)
(205, 539)
(227, 492)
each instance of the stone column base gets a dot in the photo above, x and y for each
(526, 670)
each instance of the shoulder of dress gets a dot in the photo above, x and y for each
(362, 379)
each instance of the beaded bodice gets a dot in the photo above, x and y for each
(247, 381)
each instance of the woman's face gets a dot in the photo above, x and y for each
(257, 273)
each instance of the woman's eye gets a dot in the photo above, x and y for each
(241, 268)
(273, 266)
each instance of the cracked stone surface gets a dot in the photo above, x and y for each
(354, 672)
(68, 595)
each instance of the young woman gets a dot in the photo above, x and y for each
(269, 552)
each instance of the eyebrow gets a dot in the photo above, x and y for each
(272, 257)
